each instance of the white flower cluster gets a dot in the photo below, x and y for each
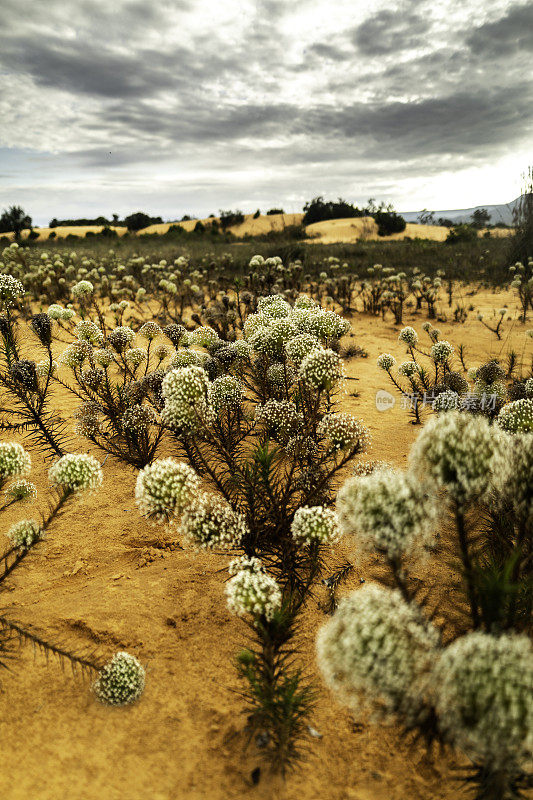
(82, 289)
(89, 331)
(344, 431)
(280, 417)
(184, 357)
(76, 354)
(301, 345)
(225, 392)
(150, 330)
(376, 652)
(76, 471)
(389, 512)
(409, 336)
(209, 522)
(386, 361)
(321, 369)
(205, 337)
(138, 418)
(103, 357)
(446, 401)
(513, 483)
(441, 352)
(121, 337)
(14, 460)
(121, 681)
(408, 369)
(42, 368)
(185, 390)
(483, 686)
(25, 533)
(315, 524)
(460, 453)
(21, 490)
(10, 289)
(136, 356)
(165, 488)
(251, 590)
(517, 417)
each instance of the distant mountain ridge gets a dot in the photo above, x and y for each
(498, 214)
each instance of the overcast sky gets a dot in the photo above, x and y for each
(189, 106)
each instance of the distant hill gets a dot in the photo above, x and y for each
(498, 214)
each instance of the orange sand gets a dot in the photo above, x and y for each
(98, 582)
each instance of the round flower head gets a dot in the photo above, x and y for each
(82, 289)
(409, 336)
(458, 452)
(344, 431)
(55, 311)
(446, 401)
(484, 698)
(42, 368)
(517, 417)
(514, 481)
(165, 488)
(136, 356)
(121, 681)
(225, 392)
(528, 387)
(321, 369)
(138, 418)
(76, 354)
(25, 533)
(103, 357)
(211, 523)
(315, 524)
(299, 346)
(184, 357)
(150, 330)
(387, 511)
(21, 490)
(253, 591)
(205, 336)
(89, 332)
(441, 352)
(408, 369)
(14, 460)
(76, 471)
(376, 651)
(280, 417)
(386, 361)
(185, 383)
(121, 337)
(10, 289)
(67, 314)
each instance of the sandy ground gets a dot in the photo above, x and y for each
(327, 232)
(99, 583)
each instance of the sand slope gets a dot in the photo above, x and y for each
(327, 232)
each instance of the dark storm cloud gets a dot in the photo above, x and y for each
(511, 34)
(171, 82)
(391, 31)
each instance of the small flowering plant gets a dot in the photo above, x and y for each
(469, 684)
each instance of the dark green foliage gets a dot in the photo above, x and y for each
(14, 219)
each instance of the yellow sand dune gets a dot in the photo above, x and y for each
(326, 232)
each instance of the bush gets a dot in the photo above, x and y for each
(462, 233)
(317, 210)
(139, 220)
(230, 218)
(389, 222)
(273, 211)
